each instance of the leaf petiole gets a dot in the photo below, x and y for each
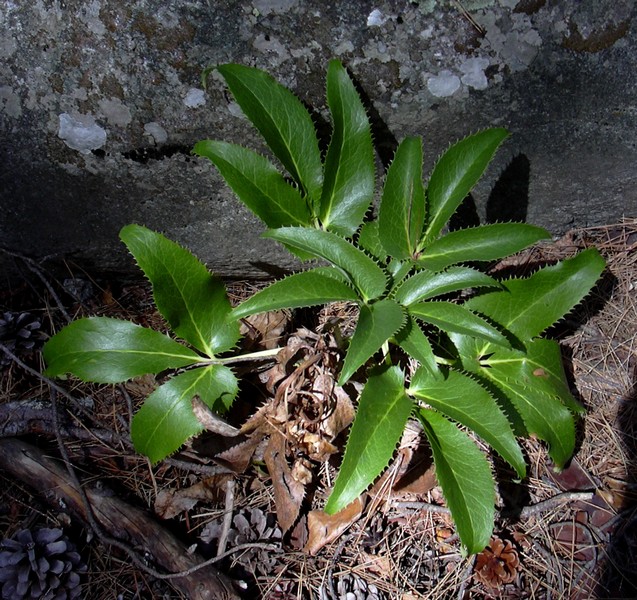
(252, 356)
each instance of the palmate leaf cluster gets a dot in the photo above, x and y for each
(482, 363)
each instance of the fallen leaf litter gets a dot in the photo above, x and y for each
(383, 547)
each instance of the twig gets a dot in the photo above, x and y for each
(96, 527)
(52, 385)
(22, 417)
(466, 574)
(118, 519)
(227, 518)
(196, 468)
(424, 506)
(214, 559)
(35, 268)
(554, 502)
(527, 511)
(466, 15)
(129, 403)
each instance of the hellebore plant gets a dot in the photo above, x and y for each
(482, 361)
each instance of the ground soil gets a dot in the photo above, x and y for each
(567, 535)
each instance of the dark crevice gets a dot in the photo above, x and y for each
(143, 155)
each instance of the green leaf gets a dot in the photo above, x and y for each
(486, 242)
(527, 307)
(426, 284)
(534, 382)
(166, 420)
(455, 174)
(376, 324)
(456, 318)
(283, 122)
(308, 288)
(190, 298)
(382, 414)
(416, 344)
(105, 350)
(257, 183)
(364, 273)
(467, 402)
(349, 164)
(369, 241)
(465, 477)
(401, 215)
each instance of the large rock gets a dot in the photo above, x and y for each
(101, 101)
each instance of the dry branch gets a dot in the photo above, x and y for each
(121, 520)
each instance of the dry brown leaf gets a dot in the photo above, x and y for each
(257, 420)
(298, 535)
(169, 503)
(324, 528)
(211, 421)
(288, 492)
(308, 406)
(574, 541)
(419, 479)
(301, 471)
(141, 386)
(238, 458)
(284, 362)
(343, 414)
(409, 443)
(379, 565)
(265, 329)
(573, 478)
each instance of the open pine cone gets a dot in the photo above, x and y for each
(43, 565)
(497, 564)
(19, 332)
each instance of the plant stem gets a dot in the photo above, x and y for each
(261, 355)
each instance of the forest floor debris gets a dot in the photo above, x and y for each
(254, 510)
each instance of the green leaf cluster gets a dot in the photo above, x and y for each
(483, 366)
(195, 306)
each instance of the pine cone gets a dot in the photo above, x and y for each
(497, 564)
(19, 332)
(259, 528)
(250, 525)
(353, 587)
(43, 565)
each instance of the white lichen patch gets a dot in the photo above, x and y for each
(266, 7)
(81, 132)
(272, 47)
(473, 73)
(10, 102)
(376, 18)
(344, 48)
(157, 132)
(115, 111)
(8, 46)
(195, 98)
(516, 47)
(520, 49)
(90, 16)
(444, 84)
(235, 110)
